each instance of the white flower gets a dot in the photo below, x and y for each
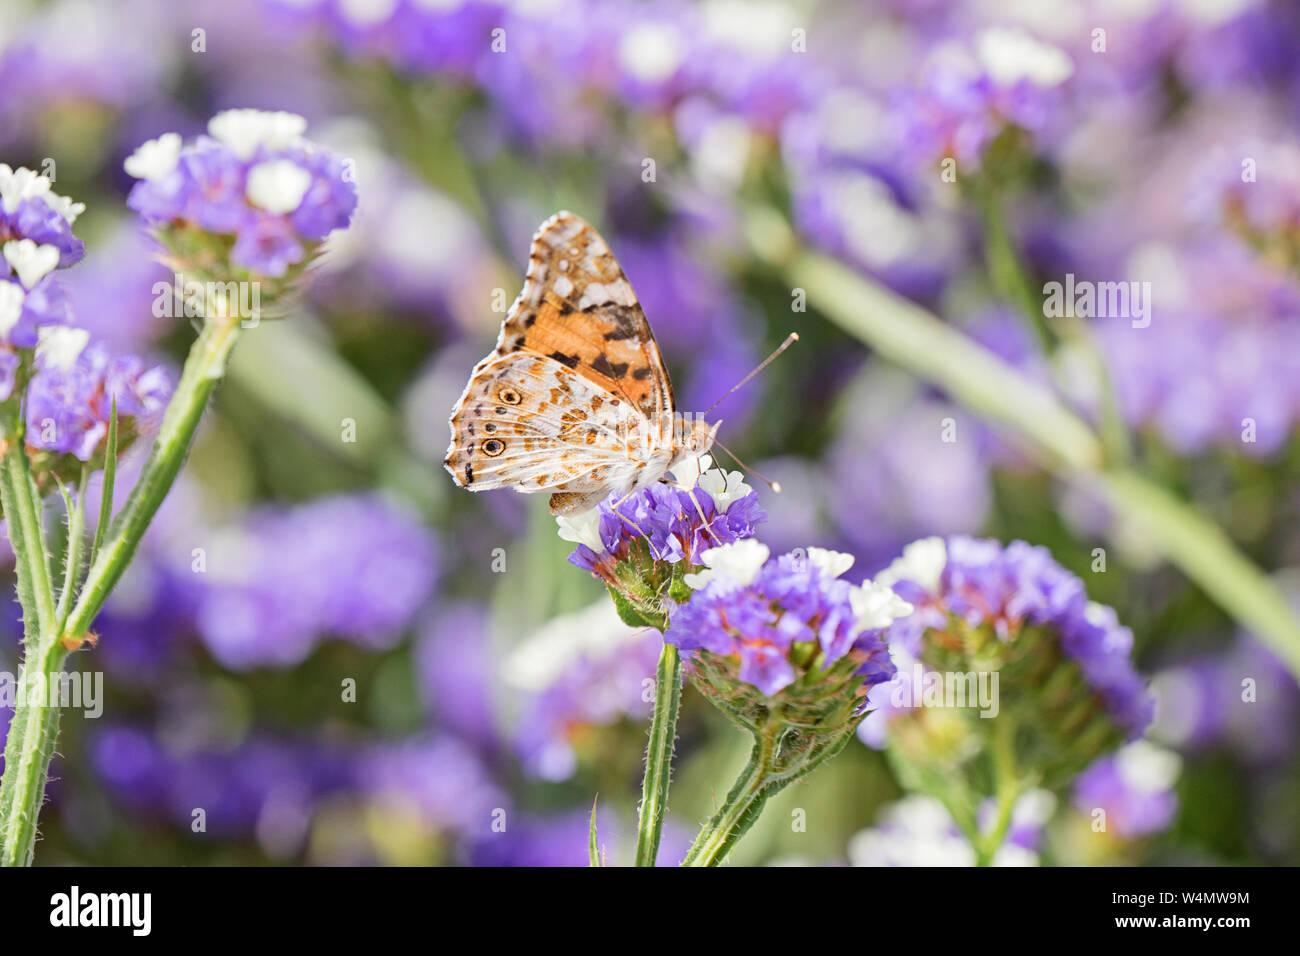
(739, 562)
(582, 529)
(156, 158)
(245, 130)
(651, 52)
(277, 186)
(542, 658)
(65, 207)
(830, 563)
(922, 563)
(19, 184)
(876, 606)
(1010, 55)
(57, 346)
(32, 262)
(724, 487)
(1148, 768)
(11, 305)
(687, 473)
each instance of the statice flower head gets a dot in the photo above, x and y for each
(642, 546)
(1009, 82)
(35, 240)
(784, 644)
(1065, 683)
(252, 200)
(74, 389)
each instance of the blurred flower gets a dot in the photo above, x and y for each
(1135, 789)
(579, 672)
(981, 605)
(1243, 698)
(352, 566)
(968, 97)
(919, 831)
(561, 840)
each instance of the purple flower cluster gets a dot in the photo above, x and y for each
(1007, 588)
(757, 609)
(35, 239)
(677, 525)
(235, 787)
(580, 672)
(352, 566)
(967, 97)
(254, 179)
(70, 401)
(549, 76)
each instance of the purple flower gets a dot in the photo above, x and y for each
(1135, 788)
(1010, 589)
(73, 389)
(757, 610)
(677, 525)
(254, 178)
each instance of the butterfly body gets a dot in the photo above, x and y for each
(575, 399)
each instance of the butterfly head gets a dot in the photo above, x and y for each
(695, 437)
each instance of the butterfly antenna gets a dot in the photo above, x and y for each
(790, 339)
(774, 485)
(712, 534)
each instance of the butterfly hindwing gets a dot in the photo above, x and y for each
(529, 422)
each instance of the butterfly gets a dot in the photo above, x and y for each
(575, 399)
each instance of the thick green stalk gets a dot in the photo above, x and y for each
(659, 756)
(203, 369)
(1007, 790)
(905, 333)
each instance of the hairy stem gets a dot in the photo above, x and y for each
(659, 756)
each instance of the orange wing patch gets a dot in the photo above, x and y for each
(578, 308)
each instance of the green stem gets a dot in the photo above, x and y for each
(659, 756)
(76, 514)
(203, 369)
(27, 535)
(27, 757)
(1007, 790)
(749, 794)
(34, 725)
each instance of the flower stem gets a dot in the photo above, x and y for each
(35, 723)
(744, 804)
(659, 756)
(203, 369)
(1007, 790)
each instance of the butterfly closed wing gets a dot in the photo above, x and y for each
(575, 399)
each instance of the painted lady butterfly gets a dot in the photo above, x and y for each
(575, 399)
